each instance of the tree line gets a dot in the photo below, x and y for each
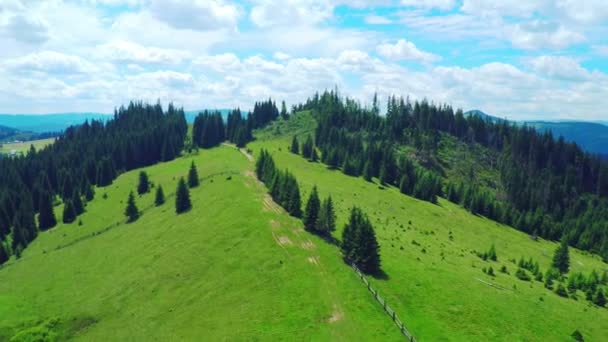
(93, 153)
(358, 245)
(551, 187)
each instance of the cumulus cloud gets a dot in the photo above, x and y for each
(539, 34)
(128, 52)
(406, 50)
(266, 13)
(26, 29)
(377, 20)
(560, 67)
(429, 4)
(198, 15)
(50, 62)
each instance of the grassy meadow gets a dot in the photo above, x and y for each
(23, 147)
(235, 267)
(434, 279)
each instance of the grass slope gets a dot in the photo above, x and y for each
(436, 283)
(23, 147)
(236, 267)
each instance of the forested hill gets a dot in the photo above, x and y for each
(546, 187)
(90, 154)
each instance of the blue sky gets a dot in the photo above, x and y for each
(535, 59)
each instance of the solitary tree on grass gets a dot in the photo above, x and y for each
(561, 258)
(131, 212)
(160, 196)
(144, 183)
(182, 197)
(193, 181)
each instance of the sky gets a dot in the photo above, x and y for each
(533, 59)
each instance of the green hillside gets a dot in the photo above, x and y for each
(236, 267)
(434, 277)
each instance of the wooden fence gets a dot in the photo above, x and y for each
(390, 312)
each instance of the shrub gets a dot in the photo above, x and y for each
(522, 275)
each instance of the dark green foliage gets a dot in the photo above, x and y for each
(490, 271)
(46, 217)
(77, 203)
(489, 255)
(69, 213)
(238, 129)
(504, 269)
(182, 197)
(208, 129)
(160, 196)
(359, 244)
(522, 275)
(193, 180)
(577, 336)
(263, 113)
(106, 172)
(144, 183)
(561, 291)
(561, 258)
(308, 148)
(284, 114)
(600, 299)
(282, 185)
(551, 275)
(89, 192)
(131, 211)
(326, 223)
(295, 146)
(4, 255)
(311, 213)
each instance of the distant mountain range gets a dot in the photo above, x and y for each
(591, 136)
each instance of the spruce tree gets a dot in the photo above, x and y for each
(359, 244)
(600, 299)
(326, 223)
(311, 212)
(367, 171)
(193, 181)
(182, 197)
(46, 217)
(160, 196)
(89, 192)
(561, 258)
(131, 211)
(295, 146)
(77, 202)
(4, 256)
(69, 213)
(294, 206)
(144, 183)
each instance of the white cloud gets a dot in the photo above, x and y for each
(50, 62)
(267, 13)
(510, 8)
(26, 28)
(585, 11)
(539, 34)
(601, 50)
(429, 4)
(200, 15)
(281, 56)
(129, 52)
(406, 50)
(559, 67)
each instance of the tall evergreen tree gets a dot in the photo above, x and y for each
(160, 196)
(46, 217)
(193, 181)
(89, 192)
(131, 211)
(4, 255)
(144, 183)
(69, 213)
(77, 202)
(561, 258)
(295, 146)
(359, 244)
(326, 223)
(600, 299)
(182, 197)
(311, 213)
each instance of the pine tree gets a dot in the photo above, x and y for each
(4, 256)
(359, 244)
(600, 299)
(311, 212)
(367, 171)
(193, 181)
(144, 183)
(77, 202)
(182, 197)
(160, 196)
(46, 217)
(89, 192)
(131, 211)
(295, 146)
(561, 258)
(326, 223)
(294, 206)
(69, 213)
